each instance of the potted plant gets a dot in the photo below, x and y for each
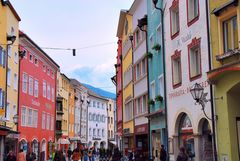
(149, 55)
(156, 47)
(159, 98)
(151, 102)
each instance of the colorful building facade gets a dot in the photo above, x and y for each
(140, 81)
(224, 75)
(158, 132)
(71, 113)
(187, 61)
(37, 105)
(124, 30)
(111, 123)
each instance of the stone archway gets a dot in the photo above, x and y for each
(205, 140)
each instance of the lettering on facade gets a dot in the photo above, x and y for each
(35, 103)
(183, 40)
(184, 91)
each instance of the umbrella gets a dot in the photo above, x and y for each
(63, 141)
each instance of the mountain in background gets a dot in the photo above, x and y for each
(100, 92)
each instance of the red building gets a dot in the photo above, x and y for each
(36, 99)
(118, 67)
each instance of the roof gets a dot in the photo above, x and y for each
(11, 8)
(22, 34)
(91, 93)
(134, 6)
(65, 76)
(121, 22)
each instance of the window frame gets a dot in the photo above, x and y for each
(194, 44)
(174, 6)
(176, 55)
(194, 19)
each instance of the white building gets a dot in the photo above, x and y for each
(97, 121)
(80, 118)
(186, 64)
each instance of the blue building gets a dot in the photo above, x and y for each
(158, 131)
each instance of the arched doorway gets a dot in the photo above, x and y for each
(23, 145)
(186, 138)
(103, 145)
(206, 147)
(96, 145)
(43, 150)
(34, 146)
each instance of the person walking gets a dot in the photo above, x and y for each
(31, 156)
(21, 155)
(182, 156)
(59, 156)
(69, 153)
(76, 154)
(163, 154)
(11, 156)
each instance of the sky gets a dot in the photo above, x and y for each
(90, 26)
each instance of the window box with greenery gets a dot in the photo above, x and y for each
(156, 47)
(148, 55)
(159, 98)
(151, 102)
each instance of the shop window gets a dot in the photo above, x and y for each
(174, 17)
(230, 34)
(176, 69)
(192, 11)
(194, 58)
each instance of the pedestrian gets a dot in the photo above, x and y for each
(182, 156)
(11, 156)
(21, 155)
(69, 153)
(59, 156)
(76, 154)
(90, 154)
(163, 154)
(31, 156)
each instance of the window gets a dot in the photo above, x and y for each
(52, 124)
(48, 71)
(44, 67)
(127, 76)
(111, 120)
(153, 94)
(176, 69)
(138, 106)
(110, 107)
(9, 50)
(103, 135)
(15, 57)
(108, 120)
(93, 117)
(138, 71)
(144, 104)
(35, 118)
(159, 33)
(36, 61)
(144, 66)
(230, 34)
(43, 120)
(44, 89)
(9, 77)
(128, 111)
(109, 133)
(94, 104)
(8, 111)
(1, 98)
(102, 105)
(15, 82)
(192, 8)
(98, 131)
(94, 132)
(194, 60)
(2, 57)
(30, 117)
(98, 105)
(30, 90)
(24, 83)
(30, 57)
(103, 118)
(174, 17)
(137, 37)
(90, 132)
(24, 116)
(48, 92)
(36, 88)
(48, 122)
(53, 94)
(161, 85)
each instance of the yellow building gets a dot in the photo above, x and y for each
(225, 76)
(111, 122)
(71, 110)
(63, 89)
(124, 30)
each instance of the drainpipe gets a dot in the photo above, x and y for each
(164, 70)
(211, 87)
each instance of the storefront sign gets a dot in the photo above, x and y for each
(13, 136)
(35, 103)
(141, 129)
(184, 91)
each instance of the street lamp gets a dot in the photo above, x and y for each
(11, 38)
(15, 119)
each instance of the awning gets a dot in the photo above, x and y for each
(113, 142)
(63, 141)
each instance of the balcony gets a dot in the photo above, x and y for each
(232, 56)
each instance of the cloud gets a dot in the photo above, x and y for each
(97, 76)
